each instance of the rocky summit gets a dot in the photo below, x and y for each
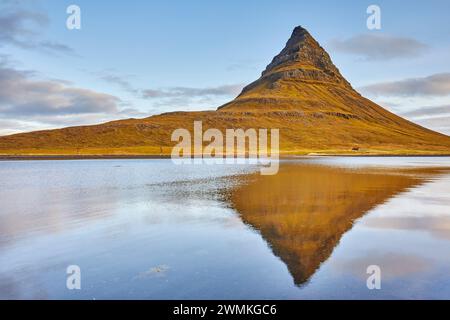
(301, 92)
(302, 60)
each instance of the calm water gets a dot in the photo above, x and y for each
(147, 229)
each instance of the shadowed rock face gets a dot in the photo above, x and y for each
(304, 210)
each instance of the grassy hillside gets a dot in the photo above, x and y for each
(300, 133)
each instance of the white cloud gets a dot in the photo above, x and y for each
(22, 95)
(433, 85)
(374, 46)
(28, 103)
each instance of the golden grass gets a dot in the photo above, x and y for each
(312, 116)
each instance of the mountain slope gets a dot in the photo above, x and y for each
(300, 92)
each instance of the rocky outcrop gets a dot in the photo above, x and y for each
(302, 59)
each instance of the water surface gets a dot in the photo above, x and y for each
(148, 229)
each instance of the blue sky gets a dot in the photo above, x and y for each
(138, 58)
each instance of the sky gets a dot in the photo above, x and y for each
(136, 58)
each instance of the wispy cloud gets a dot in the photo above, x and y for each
(189, 98)
(428, 111)
(441, 124)
(171, 98)
(30, 103)
(122, 81)
(21, 94)
(434, 85)
(374, 46)
(52, 46)
(14, 126)
(434, 117)
(242, 65)
(187, 92)
(22, 28)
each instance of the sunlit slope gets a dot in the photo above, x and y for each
(300, 92)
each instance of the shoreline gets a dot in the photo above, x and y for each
(131, 157)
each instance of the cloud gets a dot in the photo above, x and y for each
(56, 47)
(172, 97)
(119, 80)
(132, 112)
(380, 47)
(434, 85)
(393, 265)
(428, 111)
(187, 92)
(190, 99)
(29, 103)
(438, 226)
(23, 95)
(441, 124)
(433, 117)
(21, 28)
(14, 126)
(240, 65)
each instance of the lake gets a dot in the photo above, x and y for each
(149, 229)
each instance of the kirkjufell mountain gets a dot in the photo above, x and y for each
(301, 92)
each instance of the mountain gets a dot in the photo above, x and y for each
(301, 92)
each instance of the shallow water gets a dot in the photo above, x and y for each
(148, 229)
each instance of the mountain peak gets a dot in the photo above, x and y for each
(299, 36)
(298, 42)
(302, 52)
(302, 60)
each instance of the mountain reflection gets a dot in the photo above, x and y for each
(303, 211)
